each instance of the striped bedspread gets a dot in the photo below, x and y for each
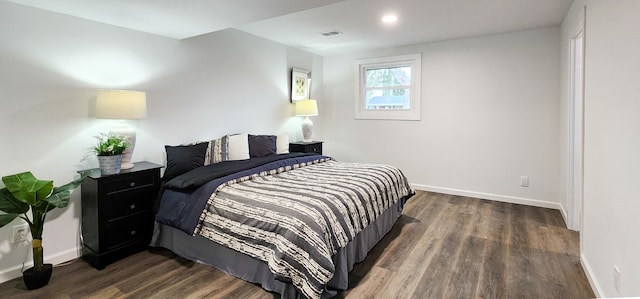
(295, 218)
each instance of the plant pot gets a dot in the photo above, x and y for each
(35, 280)
(109, 164)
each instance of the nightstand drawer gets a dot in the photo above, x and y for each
(315, 148)
(131, 202)
(132, 228)
(130, 182)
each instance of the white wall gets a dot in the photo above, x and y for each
(197, 89)
(490, 109)
(611, 232)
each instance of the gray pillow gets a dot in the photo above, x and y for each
(262, 145)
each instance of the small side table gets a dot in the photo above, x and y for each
(117, 212)
(306, 147)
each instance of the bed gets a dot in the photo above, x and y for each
(295, 223)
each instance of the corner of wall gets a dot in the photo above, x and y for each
(563, 212)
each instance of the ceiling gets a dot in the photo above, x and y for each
(177, 19)
(419, 21)
(299, 23)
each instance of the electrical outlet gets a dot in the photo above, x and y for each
(524, 181)
(616, 278)
(19, 233)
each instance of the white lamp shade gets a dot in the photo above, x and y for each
(306, 108)
(121, 104)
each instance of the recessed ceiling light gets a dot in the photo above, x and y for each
(389, 19)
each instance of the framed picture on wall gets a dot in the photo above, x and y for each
(300, 84)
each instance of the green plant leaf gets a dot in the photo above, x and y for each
(24, 191)
(60, 196)
(27, 188)
(7, 218)
(59, 199)
(9, 204)
(44, 192)
(109, 144)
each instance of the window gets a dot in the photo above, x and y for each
(388, 88)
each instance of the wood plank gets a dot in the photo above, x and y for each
(398, 252)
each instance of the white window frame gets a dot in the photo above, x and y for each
(413, 113)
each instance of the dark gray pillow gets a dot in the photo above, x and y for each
(262, 145)
(183, 158)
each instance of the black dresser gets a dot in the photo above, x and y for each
(117, 214)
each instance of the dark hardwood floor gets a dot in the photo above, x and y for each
(443, 246)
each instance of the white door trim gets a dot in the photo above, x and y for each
(576, 127)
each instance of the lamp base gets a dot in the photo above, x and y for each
(307, 129)
(126, 131)
(126, 166)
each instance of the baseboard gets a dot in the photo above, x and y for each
(595, 286)
(490, 196)
(563, 212)
(55, 259)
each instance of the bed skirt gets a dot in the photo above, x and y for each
(203, 250)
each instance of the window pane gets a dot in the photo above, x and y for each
(378, 99)
(389, 87)
(385, 77)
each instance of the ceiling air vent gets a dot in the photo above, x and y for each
(330, 33)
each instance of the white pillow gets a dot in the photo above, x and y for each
(282, 144)
(238, 147)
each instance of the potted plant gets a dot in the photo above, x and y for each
(109, 148)
(22, 192)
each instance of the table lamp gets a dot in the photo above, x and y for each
(122, 105)
(306, 108)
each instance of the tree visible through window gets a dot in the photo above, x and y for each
(389, 88)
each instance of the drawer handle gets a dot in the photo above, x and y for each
(133, 206)
(132, 184)
(133, 232)
(315, 149)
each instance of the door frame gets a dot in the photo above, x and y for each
(576, 127)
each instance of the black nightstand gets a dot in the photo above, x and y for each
(117, 214)
(306, 147)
